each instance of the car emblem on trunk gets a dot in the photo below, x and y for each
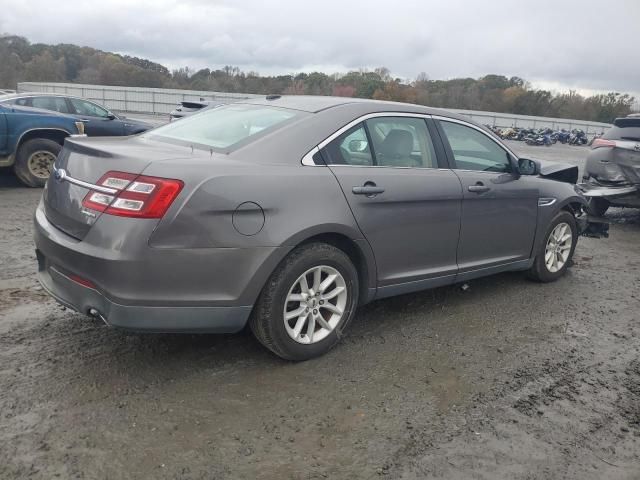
(636, 147)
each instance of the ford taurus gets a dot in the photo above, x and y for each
(286, 213)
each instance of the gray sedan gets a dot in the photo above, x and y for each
(287, 213)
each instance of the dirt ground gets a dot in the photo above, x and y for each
(509, 379)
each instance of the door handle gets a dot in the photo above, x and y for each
(478, 188)
(369, 189)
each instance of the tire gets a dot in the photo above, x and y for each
(31, 159)
(268, 322)
(540, 271)
(598, 206)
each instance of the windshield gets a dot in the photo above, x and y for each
(226, 126)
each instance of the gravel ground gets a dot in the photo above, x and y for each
(509, 379)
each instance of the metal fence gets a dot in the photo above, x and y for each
(131, 99)
(162, 101)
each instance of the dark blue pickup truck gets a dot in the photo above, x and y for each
(30, 139)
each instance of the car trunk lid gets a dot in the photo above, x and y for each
(81, 163)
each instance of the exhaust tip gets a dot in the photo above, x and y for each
(93, 312)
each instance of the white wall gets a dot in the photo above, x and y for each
(162, 101)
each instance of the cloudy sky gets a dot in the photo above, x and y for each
(579, 44)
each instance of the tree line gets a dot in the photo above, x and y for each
(21, 60)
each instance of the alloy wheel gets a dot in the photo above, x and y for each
(558, 247)
(315, 304)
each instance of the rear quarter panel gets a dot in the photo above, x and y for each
(294, 203)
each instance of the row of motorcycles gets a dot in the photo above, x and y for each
(542, 136)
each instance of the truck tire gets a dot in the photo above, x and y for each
(34, 161)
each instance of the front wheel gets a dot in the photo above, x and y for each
(307, 302)
(555, 254)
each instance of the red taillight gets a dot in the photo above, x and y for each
(135, 196)
(602, 142)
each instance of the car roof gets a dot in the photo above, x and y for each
(9, 96)
(315, 104)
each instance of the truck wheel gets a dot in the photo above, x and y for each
(307, 303)
(598, 206)
(555, 254)
(34, 161)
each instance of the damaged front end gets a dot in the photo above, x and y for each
(592, 226)
(589, 225)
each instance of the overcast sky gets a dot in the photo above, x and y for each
(585, 45)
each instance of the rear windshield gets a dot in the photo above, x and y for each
(626, 133)
(225, 127)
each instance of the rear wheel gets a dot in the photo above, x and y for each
(34, 161)
(555, 254)
(598, 206)
(307, 303)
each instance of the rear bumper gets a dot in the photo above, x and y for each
(183, 319)
(137, 287)
(590, 191)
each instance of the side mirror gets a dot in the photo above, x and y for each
(528, 167)
(111, 116)
(357, 145)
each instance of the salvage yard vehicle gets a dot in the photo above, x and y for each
(287, 213)
(98, 120)
(189, 107)
(612, 170)
(30, 140)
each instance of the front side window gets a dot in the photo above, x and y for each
(473, 150)
(225, 126)
(57, 104)
(82, 107)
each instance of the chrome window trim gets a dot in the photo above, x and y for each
(307, 160)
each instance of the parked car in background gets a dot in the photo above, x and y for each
(289, 212)
(612, 170)
(99, 121)
(189, 107)
(6, 92)
(30, 140)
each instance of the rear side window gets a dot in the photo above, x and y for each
(57, 104)
(225, 126)
(402, 142)
(384, 142)
(350, 148)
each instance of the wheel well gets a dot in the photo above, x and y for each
(573, 208)
(57, 136)
(352, 250)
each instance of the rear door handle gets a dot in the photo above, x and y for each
(478, 188)
(368, 189)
